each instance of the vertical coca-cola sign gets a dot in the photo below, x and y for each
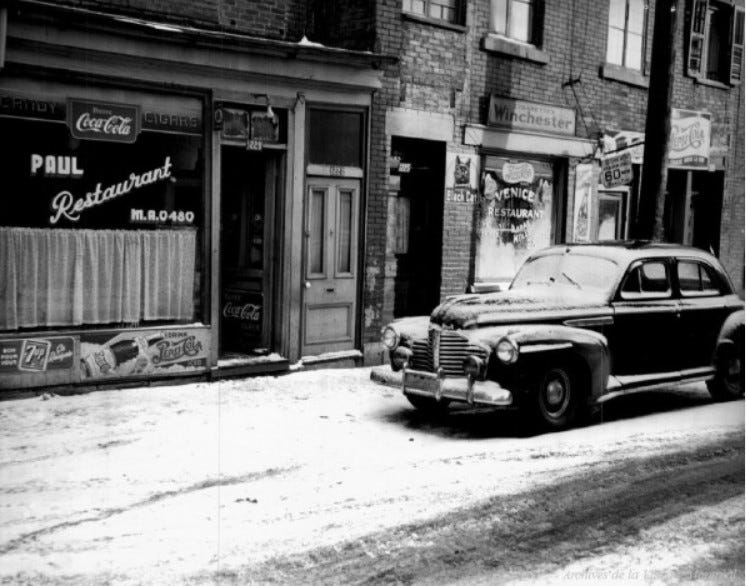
(242, 319)
(90, 120)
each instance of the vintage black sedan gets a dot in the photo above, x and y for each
(579, 324)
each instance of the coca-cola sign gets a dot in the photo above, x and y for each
(244, 312)
(518, 173)
(90, 120)
(242, 319)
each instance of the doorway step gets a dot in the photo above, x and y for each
(342, 359)
(234, 364)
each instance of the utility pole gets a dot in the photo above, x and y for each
(649, 224)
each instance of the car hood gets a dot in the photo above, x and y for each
(554, 303)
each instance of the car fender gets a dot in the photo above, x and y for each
(410, 328)
(731, 332)
(540, 341)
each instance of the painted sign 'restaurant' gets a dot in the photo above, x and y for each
(65, 205)
(520, 115)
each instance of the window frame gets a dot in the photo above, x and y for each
(625, 37)
(618, 195)
(698, 42)
(535, 25)
(642, 295)
(715, 291)
(458, 12)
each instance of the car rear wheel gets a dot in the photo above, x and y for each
(555, 398)
(728, 382)
(428, 405)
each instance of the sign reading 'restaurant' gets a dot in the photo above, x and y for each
(520, 115)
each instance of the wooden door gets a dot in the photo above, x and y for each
(331, 215)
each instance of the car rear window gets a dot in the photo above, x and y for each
(696, 279)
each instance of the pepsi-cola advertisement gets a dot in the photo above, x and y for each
(134, 353)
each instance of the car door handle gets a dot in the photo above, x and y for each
(330, 290)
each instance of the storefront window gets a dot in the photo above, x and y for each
(105, 224)
(515, 215)
(610, 221)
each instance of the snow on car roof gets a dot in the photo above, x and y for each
(625, 251)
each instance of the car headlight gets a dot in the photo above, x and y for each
(401, 357)
(390, 337)
(475, 367)
(507, 350)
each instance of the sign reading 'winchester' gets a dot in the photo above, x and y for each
(89, 120)
(520, 115)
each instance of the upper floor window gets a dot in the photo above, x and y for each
(446, 10)
(625, 44)
(716, 40)
(516, 19)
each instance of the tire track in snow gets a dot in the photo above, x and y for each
(514, 537)
(15, 543)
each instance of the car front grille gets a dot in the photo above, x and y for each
(444, 349)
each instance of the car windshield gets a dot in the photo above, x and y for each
(574, 270)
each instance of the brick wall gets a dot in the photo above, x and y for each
(387, 40)
(342, 23)
(271, 19)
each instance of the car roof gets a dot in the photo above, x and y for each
(624, 252)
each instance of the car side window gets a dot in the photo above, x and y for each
(648, 280)
(695, 279)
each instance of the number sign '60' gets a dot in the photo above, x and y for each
(617, 170)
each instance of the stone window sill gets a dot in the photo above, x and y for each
(459, 28)
(504, 46)
(625, 75)
(712, 83)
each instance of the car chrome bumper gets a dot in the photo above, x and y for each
(438, 387)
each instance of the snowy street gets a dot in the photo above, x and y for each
(326, 477)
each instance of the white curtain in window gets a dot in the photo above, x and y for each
(60, 277)
(168, 274)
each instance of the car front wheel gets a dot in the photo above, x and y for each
(555, 398)
(728, 382)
